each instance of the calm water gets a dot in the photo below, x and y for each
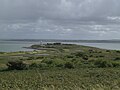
(110, 46)
(12, 46)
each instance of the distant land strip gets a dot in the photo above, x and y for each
(59, 40)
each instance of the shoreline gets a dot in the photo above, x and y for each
(100, 46)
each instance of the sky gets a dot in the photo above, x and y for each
(60, 19)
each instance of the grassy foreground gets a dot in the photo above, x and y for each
(62, 67)
(68, 79)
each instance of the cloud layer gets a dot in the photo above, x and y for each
(61, 19)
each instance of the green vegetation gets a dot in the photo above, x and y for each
(16, 65)
(60, 67)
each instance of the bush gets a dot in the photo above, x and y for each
(116, 64)
(70, 56)
(80, 54)
(60, 65)
(17, 65)
(69, 65)
(54, 62)
(30, 58)
(57, 43)
(91, 50)
(101, 56)
(117, 58)
(107, 50)
(48, 61)
(38, 65)
(34, 65)
(43, 65)
(91, 56)
(117, 51)
(83, 55)
(103, 63)
(41, 57)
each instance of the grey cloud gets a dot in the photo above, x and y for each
(34, 9)
(59, 18)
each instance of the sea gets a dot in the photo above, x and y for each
(13, 46)
(18, 45)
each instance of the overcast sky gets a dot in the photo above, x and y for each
(60, 19)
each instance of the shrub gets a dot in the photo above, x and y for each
(54, 62)
(69, 65)
(117, 51)
(85, 57)
(107, 50)
(116, 64)
(59, 62)
(17, 65)
(100, 52)
(103, 63)
(57, 43)
(38, 65)
(2, 52)
(30, 58)
(60, 65)
(101, 56)
(80, 54)
(91, 50)
(47, 61)
(43, 65)
(117, 58)
(70, 56)
(34, 65)
(39, 57)
(91, 56)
